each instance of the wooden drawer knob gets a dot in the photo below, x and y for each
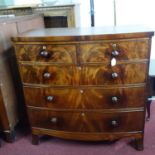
(114, 75)
(114, 52)
(49, 98)
(114, 123)
(114, 99)
(44, 53)
(82, 114)
(47, 75)
(54, 120)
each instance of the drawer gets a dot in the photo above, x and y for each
(87, 121)
(85, 75)
(119, 74)
(55, 98)
(45, 74)
(47, 53)
(85, 98)
(102, 52)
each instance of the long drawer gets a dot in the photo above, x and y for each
(87, 121)
(85, 98)
(84, 75)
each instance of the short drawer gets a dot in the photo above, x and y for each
(47, 53)
(87, 121)
(46, 74)
(120, 74)
(102, 52)
(85, 98)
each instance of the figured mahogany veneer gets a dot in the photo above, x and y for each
(56, 53)
(74, 91)
(84, 75)
(101, 51)
(86, 121)
(104, 98)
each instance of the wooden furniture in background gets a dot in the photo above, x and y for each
(30, 22)
(8, 104)
(85, 84)
(9, 81)
(54, 16)
(58, 16)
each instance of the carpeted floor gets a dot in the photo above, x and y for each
(55, 146)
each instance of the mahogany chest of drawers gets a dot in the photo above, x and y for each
(85, 83)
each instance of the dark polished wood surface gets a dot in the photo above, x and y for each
(72, 90)
(84, 98)
(85, 34)
(56, 53)
(87, 75)
(86, 121)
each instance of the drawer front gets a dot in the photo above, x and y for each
(47, 53)
(114, 98)
(119, 74)
(92, 98)
(122, 50)
(86, 121)
(53, 75)
(55, 98)
(86, 75)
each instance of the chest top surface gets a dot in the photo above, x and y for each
(82, 34)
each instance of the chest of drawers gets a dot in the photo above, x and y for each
(85, 84)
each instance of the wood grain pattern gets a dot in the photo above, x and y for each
(58, 75)
(86, 75)
(85, 98)
(102, 75)
(57, 53)
(85, 136)
(101, 52)
(86, 121)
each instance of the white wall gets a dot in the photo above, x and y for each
(25, 2)
(137, 12)
(104, 12)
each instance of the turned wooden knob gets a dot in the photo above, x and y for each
(82, 114)
(115, 53)
(114, 99)
(54, 120)
(114, 123)
(44, 53)
(47, 75)
(114, 75)
(49, 98)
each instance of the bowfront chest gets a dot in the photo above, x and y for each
(85, 83)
